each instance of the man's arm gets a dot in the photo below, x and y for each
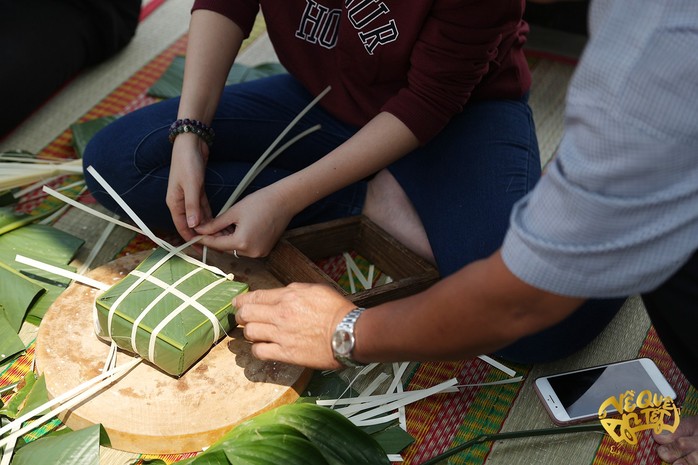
(481, 308)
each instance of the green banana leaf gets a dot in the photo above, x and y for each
(17, 293)
(189, 335)
(170, 84)
(11, 219)
(10, 342)
(46, 244)
(294, 434)
(79, 447)
(51, 244)
(13, 407)
(83, 132)
(393, 439)
(37, 396)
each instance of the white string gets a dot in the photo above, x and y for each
(61, 272)
(257, 166)
(63, 399)
(189, 300)
(155, 239)
(518, 379)
(97, 248)
(178, 310)
(151, 305)
(10, 447)
(496, 364)
(135, 284)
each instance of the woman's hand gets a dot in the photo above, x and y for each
(251, 227)
(186, 197)
(293, 324)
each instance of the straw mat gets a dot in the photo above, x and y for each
(447, 420)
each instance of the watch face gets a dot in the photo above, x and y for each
(342, 342)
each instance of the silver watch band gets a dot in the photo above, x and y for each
(344, 339)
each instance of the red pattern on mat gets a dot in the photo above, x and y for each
(17, 371)
(434, 421)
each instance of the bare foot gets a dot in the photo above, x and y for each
(388, 206)
(681, 446)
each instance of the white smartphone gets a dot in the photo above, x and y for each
(575, 396)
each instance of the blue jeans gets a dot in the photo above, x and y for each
(463, 183)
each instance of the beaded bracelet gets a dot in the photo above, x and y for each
(194, 126)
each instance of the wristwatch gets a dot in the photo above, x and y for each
(344, 339)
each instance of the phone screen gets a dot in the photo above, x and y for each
(583, 392)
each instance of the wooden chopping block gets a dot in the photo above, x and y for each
(148, 411)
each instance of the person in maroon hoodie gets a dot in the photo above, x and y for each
(426, 130)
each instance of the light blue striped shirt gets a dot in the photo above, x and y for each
(617, 211)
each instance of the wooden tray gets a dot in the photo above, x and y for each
(294, 257)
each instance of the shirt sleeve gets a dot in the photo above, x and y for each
(241, 12)
(617, 212)
(460, 43)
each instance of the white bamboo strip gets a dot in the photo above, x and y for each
(262, 158)
(378, 420)
(353, 267)
(61, 272)
(157, 240)
(367, 369)
(63, 398)
(154, 302)
(110, 361)
(193, 302)
(517, 379)
(20, 174)
(97, 248)
(399, 370)
(371, 388)
(58, 213)
(403, 399)
(89, 210)
(10, 447)
(34, 186)
(498, 365)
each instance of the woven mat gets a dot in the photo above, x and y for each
(446, 420)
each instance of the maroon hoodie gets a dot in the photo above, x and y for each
(420, 60)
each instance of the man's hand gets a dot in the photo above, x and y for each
(293, 324)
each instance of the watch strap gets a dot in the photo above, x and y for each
(347, 325)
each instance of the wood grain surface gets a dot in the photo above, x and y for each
(148, 411)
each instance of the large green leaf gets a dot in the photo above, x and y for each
(294, 434)
(49, 245)
(11, 219)
(10, 342)
(79, 447)
(286, 449)
(39, 240)
(37, 396)
(17, 293)
(393, 439)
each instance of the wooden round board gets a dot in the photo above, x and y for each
(148, 411)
